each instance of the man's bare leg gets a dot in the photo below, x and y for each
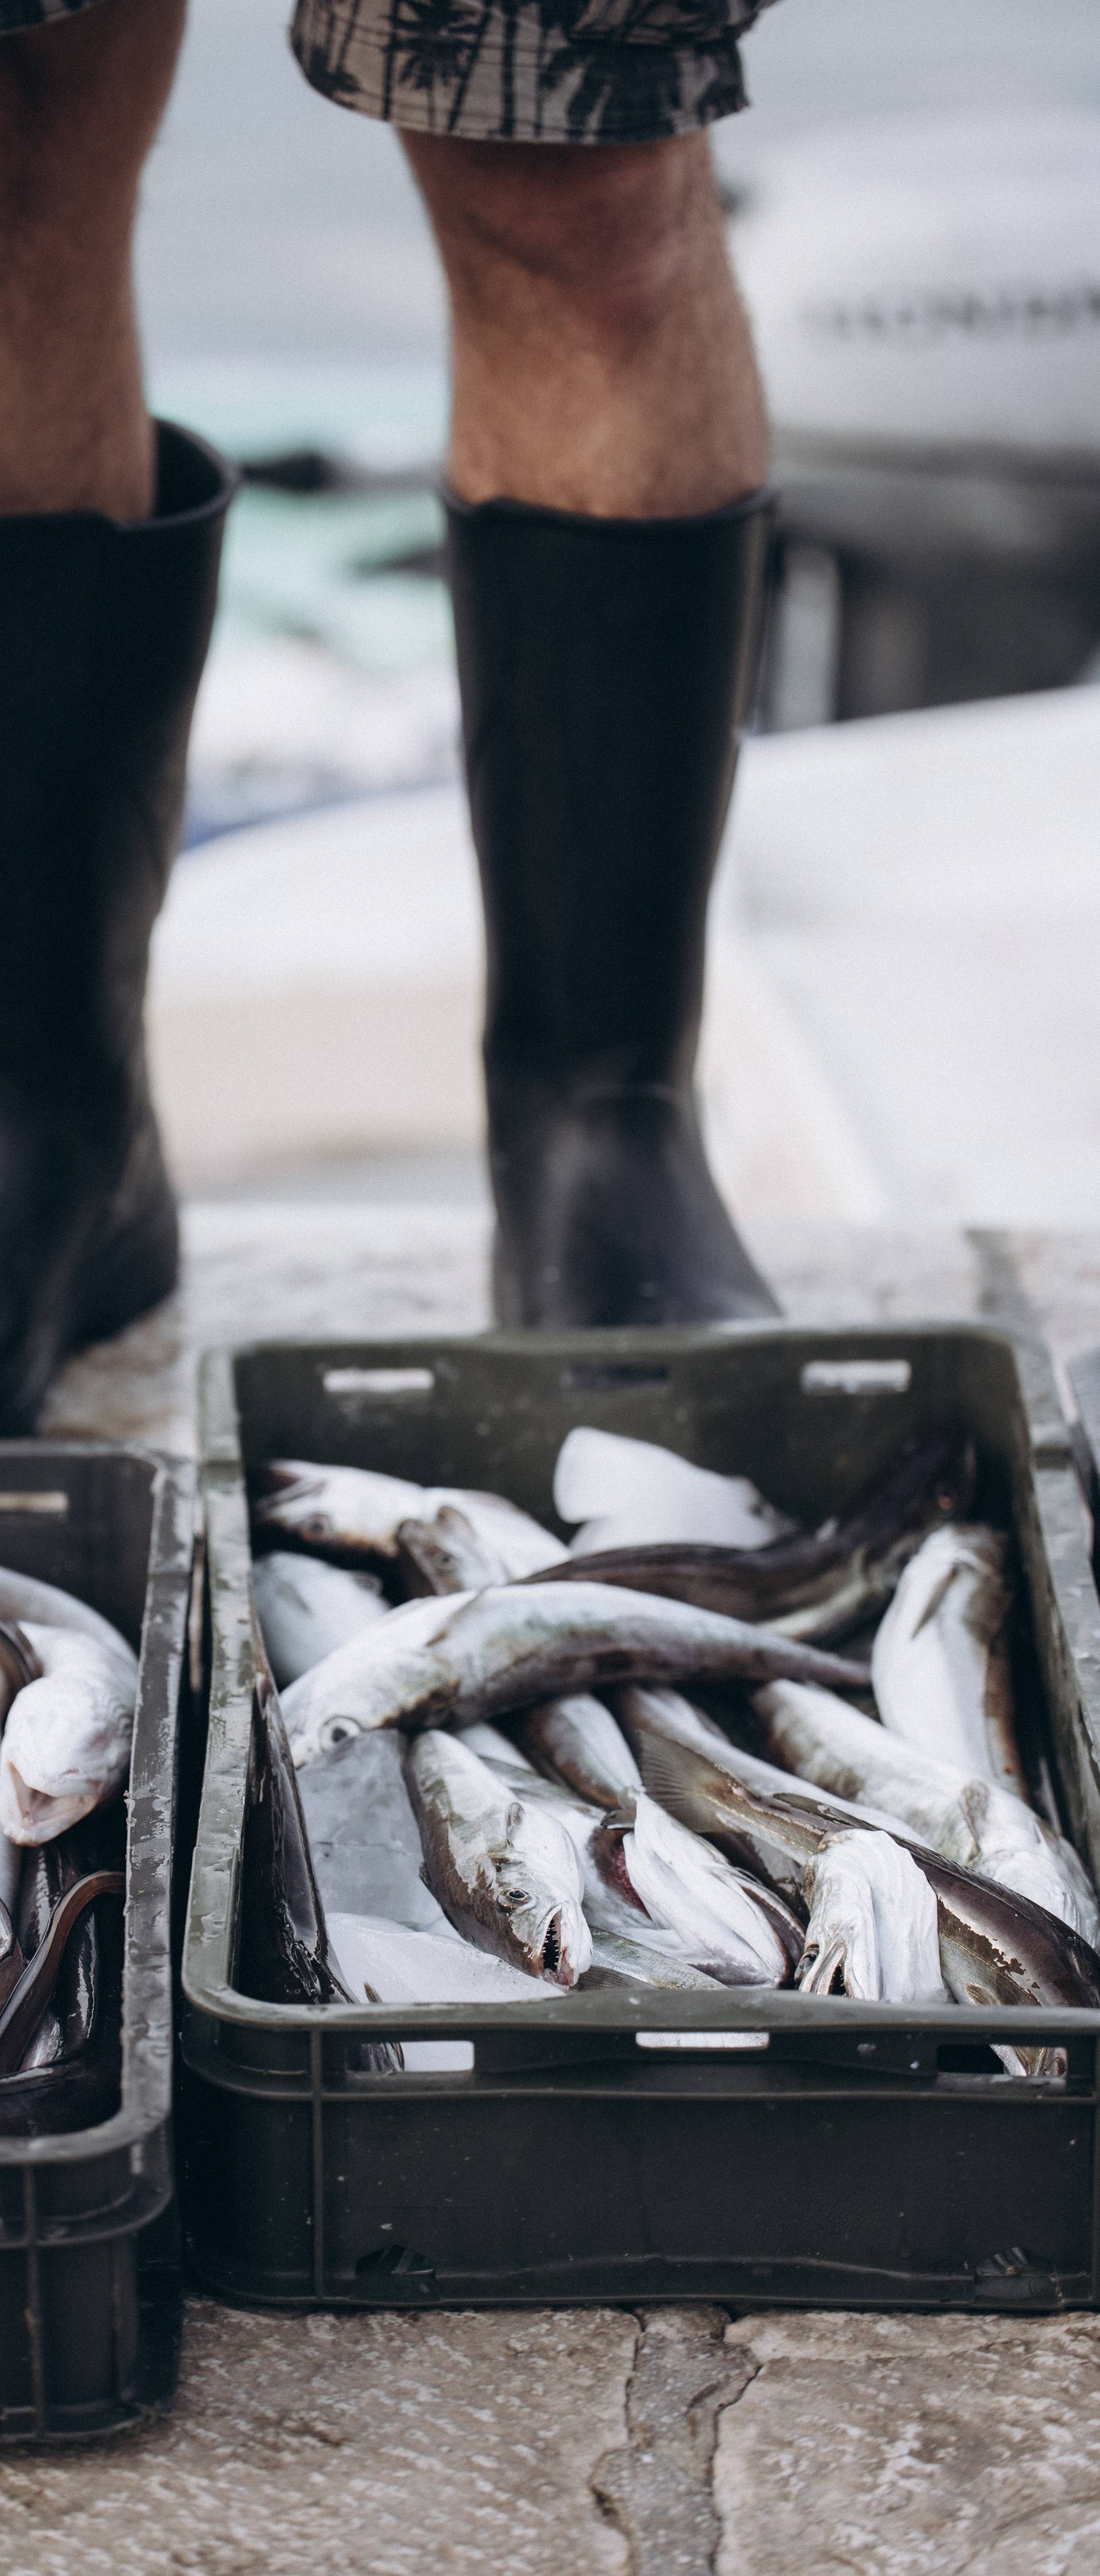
(80, 102)
(602, 360)
(109, 541)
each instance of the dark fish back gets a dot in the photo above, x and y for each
(283, 1954)
(82, 2084)
(930, 1482)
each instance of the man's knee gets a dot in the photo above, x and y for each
(602, 229)
(81, 99)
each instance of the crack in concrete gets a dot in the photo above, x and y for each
(657, 2488)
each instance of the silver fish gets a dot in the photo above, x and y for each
(23, 1597)
(995, 1947)
(18, 1663)
(306, 1608)
(477, 1655)
(722, 1917)
(610, 1903)
(874, 1923)
(66, 1745)
(964, 1818)
(446, 1554)
(653, 1884)
(354, 1513)
(504, 1869)
(620, 1962)
(940, 1664)
(655, 1723)
(650, 1882)
(626, 1492)
(491, 1746)
(578, 1742)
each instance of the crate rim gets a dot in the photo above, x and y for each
(211, 2004)
(145, 2108)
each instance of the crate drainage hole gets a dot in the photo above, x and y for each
(702, 2038)
(398, 2263)
(47, 1505)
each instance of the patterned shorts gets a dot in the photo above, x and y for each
(513, 71)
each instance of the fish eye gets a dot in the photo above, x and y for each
(316, 1525)
(338, 1731)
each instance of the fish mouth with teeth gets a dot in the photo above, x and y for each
(542, 1940)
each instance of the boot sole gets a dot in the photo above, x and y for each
(511, 1309)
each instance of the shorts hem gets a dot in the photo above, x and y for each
(696, 91)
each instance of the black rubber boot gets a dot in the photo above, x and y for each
(103, 635)
(606, 668)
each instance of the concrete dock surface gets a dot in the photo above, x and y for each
(673, 2442)
(590, 2442)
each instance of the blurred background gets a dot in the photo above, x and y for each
(903, 1013)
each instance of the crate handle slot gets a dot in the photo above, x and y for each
(378, 1381)
(46, 1505)
(702, 2038)
(857, 1377)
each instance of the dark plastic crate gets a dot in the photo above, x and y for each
(90, 2260)
(848, 2155)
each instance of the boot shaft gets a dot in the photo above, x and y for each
(607, 669)
(103, 635)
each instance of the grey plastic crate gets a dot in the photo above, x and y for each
(843, 2153)
(90, 2264)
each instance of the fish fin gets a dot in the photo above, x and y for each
(935, 1600)
(659, 1774)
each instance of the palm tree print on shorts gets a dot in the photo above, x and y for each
(553, 71)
